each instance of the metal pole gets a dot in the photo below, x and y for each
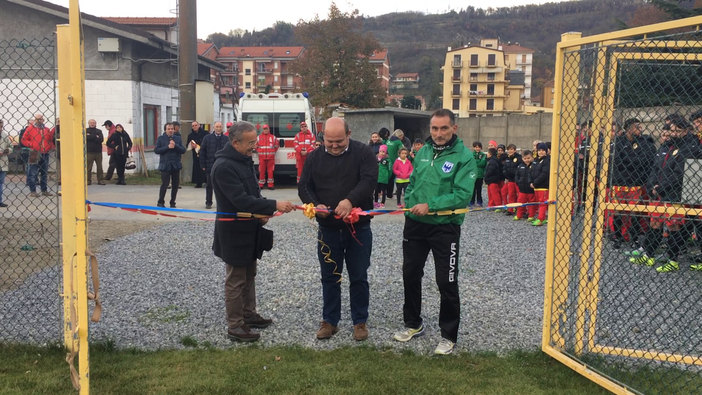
(187, 58)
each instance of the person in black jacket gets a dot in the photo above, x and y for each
(197, 134)
(211, 144)
(93, 141)
(509, 170)
(632, 159)
(340, 177)
(526, 192)
(493, 176)
(540, 174)
(169, 146)
(121, 143)
(664, 187)
(240, 243)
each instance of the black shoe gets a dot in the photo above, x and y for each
(173, 205)
(242, 334)
(208, 206)
(107, 178)
(160, 205)
(90, 183)
(121, 182)
(271, 188)
(3, 205)
(198, 186)
(257, 321)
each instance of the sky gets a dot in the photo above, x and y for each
(222, 16)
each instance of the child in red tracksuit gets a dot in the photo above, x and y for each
(540, 172)
(526, 192)
(403, 169)
(509, 189)
(493, 178)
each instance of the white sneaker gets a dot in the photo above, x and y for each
(445, 347)
(408, 334)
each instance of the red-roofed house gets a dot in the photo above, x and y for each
(381, 60)
(259, 69)
(163, 28)
(406, 81)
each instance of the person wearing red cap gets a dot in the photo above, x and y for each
(266, 147)
(492, 144)
(304, 144)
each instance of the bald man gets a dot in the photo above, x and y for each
(94, 139)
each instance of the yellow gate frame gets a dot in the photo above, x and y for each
(71, 75)
(560, 219)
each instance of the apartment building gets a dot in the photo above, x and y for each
(476, 82)
(260, 69)
(522, 59)
(406, 81)
(381, 60)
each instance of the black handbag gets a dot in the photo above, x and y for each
(264, 242)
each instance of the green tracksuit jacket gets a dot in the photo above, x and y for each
(444, 179)
(480, 162)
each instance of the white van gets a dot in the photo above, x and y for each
(282, 112)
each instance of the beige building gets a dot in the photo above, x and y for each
(477, 82)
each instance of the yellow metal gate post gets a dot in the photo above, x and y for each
(74, 226)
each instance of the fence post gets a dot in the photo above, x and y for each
(73, 192)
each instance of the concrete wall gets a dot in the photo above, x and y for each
(363, 125)
(520, 130)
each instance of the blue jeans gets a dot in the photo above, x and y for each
(40, 170)
(342, 246)
(2, 183)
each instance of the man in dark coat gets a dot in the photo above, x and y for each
(211, 144)
(197, 134)
(93, 141)
(340, 177)
(240, 243)
(169, 146)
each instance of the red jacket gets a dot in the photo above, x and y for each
(304, 141)
(266, 146)
(402, 170)
(41, 140)
(110, 151)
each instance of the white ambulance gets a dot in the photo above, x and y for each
(282, 112)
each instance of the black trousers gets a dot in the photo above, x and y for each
(111, 168)
(208, 188)
(174, 177)
(444, 243)
(118, 161)
(477, 191)
(391, 185)
(380, 190)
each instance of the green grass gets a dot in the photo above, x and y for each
(288, 370)
(154, 178)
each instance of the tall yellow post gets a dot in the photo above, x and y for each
(73, 192)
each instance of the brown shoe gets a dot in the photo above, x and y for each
(326, 330)
(34, 194)
(360, 331)
(256, 321)
(243, 334)
(47, 193)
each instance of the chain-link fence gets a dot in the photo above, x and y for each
(624, 280)
(30, 269)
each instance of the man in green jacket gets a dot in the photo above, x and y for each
(443, 179)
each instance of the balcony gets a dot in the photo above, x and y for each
(264, 71)
(457, 64)
(456, 94)
(474, 65)
(261, 84)
(485, 94)
(291, 86)
(456, 79)
(485, 79)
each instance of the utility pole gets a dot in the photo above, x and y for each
(187, 58)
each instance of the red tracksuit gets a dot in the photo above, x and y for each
(266, 146)
(303, 140)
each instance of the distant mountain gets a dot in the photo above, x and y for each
(418, 42)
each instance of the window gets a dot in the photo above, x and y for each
(491, 59)
(457, 60)
(491, 77)
(248, 85)
(456, 104)
(473, 88)
(261, 67)
(472, 115)
(490, 104)
(169, 113)
(473, 76)
(474, 59)
(247, 71)
(288, 125)
(257, 119)
(275, 78)
(152, 129)
(275, 65)
(456, 89)
(551, 101)
(456, 74)
(491, 89)
(524, 58)
(473, 105)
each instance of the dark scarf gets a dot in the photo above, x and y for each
(440, 148)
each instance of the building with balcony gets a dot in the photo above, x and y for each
(476, 82)
(406, 81)
(259, 69)
(381, 61)
(520, 58)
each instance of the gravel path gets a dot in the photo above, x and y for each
(163, 284)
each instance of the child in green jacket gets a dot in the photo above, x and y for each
(480, 162)
(384, 170)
